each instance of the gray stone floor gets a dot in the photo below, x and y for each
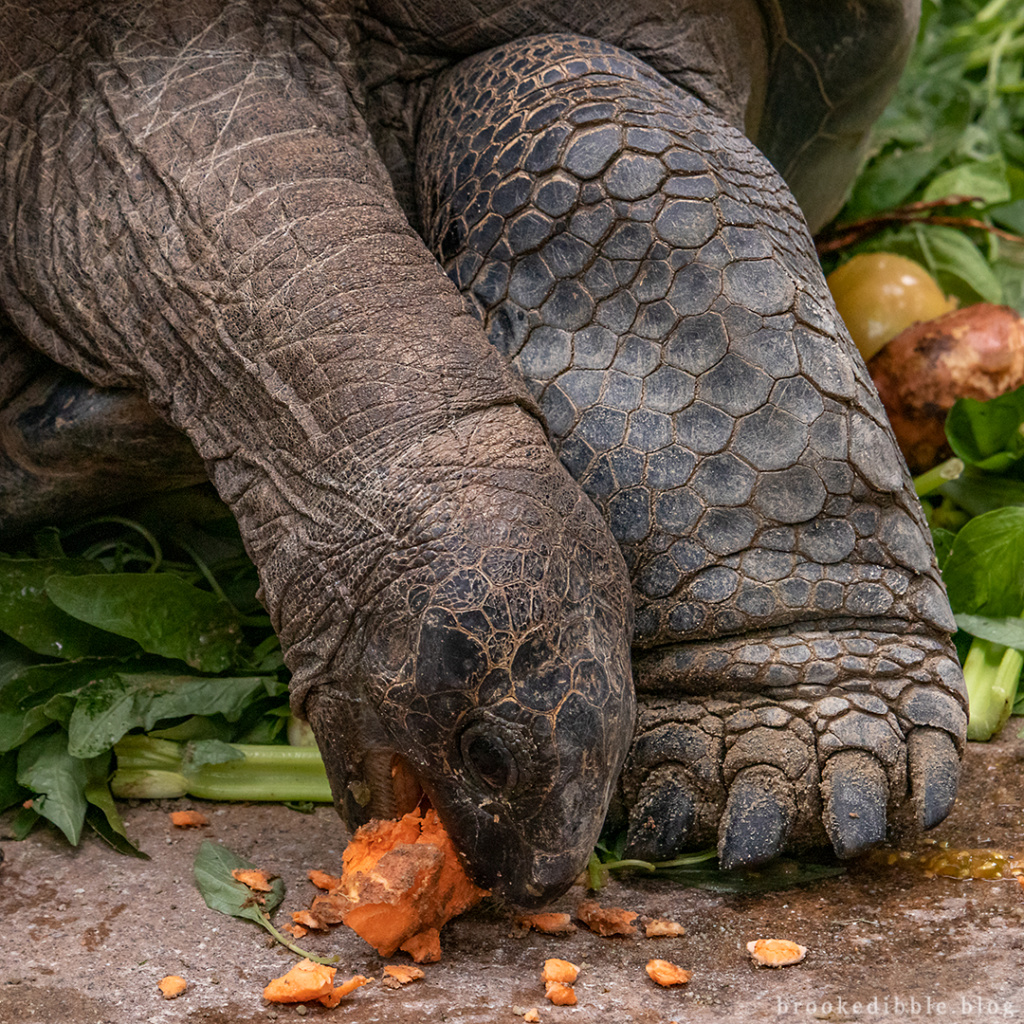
(86, 934)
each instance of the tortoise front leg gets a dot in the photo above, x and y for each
(649, 273)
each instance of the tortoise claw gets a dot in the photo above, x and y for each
(757, 820)
(856, 792)
(661, 820)
(934, 774)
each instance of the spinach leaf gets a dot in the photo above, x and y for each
(29, 616)
(59, 780)
(984, 573)
(164, 614)
(105, 712)
(988, 434)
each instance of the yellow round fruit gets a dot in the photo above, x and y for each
(879, 294)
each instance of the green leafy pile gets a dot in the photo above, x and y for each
(977, 523)
(947, 170)
(101, 635)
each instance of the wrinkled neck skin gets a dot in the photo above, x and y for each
(193, 208)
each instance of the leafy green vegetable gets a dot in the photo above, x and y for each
(212, 869)
(988, 434)
(91, 652)
(29, 616)
(163, 613)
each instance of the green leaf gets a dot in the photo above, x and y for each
(18, 726)
(210, 752)
(161, 612)
(29, 616)
(985, 179)
(977, 492)
(988, 434)
(984, 573)
(1007, 630)
(114, 706)
(47, 769)
(102, 815)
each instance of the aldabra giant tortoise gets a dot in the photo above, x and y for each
(208, 203)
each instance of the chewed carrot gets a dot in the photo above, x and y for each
(305, 981)
(188, 819)
(172, 986)
(255, 878)
(341, 991)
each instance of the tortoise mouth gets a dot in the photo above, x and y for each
(394, 788)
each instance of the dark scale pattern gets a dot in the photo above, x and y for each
(665, 306)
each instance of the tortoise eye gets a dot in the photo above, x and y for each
(489, 759)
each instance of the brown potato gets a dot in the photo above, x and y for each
(976, 352)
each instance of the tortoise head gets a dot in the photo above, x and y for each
(493, 679)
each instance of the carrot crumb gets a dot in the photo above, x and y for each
(296, 931)
(322, 880)
(188, 819)
(255, 878)
(776, 952)
(549, 923)
(660, 927)
(308, 920)
(560, 994)
(424, 947)
(531, 1016)
(606, 920)
(560, 970)
(397, 975)
(665, 973)
(336, 995)
(172, 986)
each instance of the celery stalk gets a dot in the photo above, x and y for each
(150, 768)
(991, 672)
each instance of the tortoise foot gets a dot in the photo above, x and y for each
(763, 770)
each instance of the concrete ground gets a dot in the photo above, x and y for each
(85, 934)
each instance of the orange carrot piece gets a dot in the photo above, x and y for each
(322, 880)
(172, 986)
(402, 881)
(308, 919)
(606, 920)
(188, 819)
(424, 947)
(296, 931)
(305, 981)
(335, 996)
(255, 878)
(548, 923)
(560, 970)
(665, 973)
(397, 975)
(659, 927)
(560, 994)
(776, 952)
